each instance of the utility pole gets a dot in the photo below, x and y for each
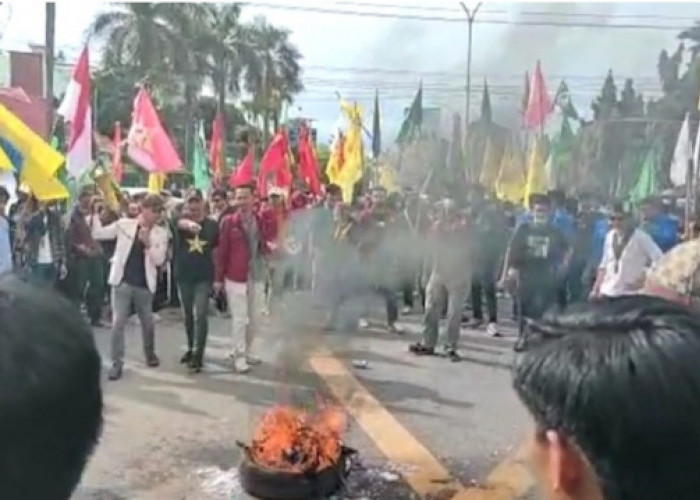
(471, 14)
(49, 48)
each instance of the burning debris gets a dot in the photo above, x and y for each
(296, 454)
(291, 440)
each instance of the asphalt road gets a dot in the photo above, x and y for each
(170, 435)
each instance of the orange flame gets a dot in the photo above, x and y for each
(292, 440)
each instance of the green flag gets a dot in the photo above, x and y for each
(410, 128)
(200, 167)
(648, 182)
(560, 155)
(562, 99)
(376, 129)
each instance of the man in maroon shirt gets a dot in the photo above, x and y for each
(240, 271)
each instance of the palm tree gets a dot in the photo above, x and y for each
(141, 35)
(692, 35)
(274, 75)
(223, 45)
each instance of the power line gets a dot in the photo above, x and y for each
(456, 74)
(478, 20)
(489, 11)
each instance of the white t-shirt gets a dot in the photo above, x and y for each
(624, 277)
(44, 253)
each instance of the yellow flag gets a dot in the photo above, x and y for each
(42, 187)
(510, 183)
(107, 186)
(536, 182)
(156, 181)
(490, 165)
(335, 161)
(353, 156)
(39, 160)
(388, 178)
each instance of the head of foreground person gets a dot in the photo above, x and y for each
(50, 396)
(614, 392)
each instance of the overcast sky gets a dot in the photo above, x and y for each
(356, 54)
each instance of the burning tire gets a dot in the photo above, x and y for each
(296, 455)
(269, 484)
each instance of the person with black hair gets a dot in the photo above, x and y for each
(612, 387)
(51, 400)
(86, 256)
(627, 254)
(537, 260)
(195, 238)
(141, 247)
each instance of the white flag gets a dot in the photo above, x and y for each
(682, 154)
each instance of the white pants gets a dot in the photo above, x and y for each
(244, 303)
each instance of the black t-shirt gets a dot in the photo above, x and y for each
(193, 253)
(537, 251)
(135, 267)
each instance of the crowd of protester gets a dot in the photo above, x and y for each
(610, 383)
(410, 252)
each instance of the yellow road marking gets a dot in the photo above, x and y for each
(426, 475)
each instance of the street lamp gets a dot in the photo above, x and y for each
(471, 14)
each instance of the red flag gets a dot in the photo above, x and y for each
(274, 161)
(244, 172)
(148, 143)
(76, 111)
(308, 164)
(538, 104)
(117, 165)
(215, 148)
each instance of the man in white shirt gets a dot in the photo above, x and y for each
(627, 254)
(141, 247)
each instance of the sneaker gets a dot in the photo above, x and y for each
(452, 354)
(492, 329)
(394, 329)
(194, 366)
(406, 310)
(152, 361)
(186, 358)
(240, 365)
(363, 323)
(520, 344)
(252, 361)
(115, 373)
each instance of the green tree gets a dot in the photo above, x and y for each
(692, 35)
(273, 76)
(142, 36)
